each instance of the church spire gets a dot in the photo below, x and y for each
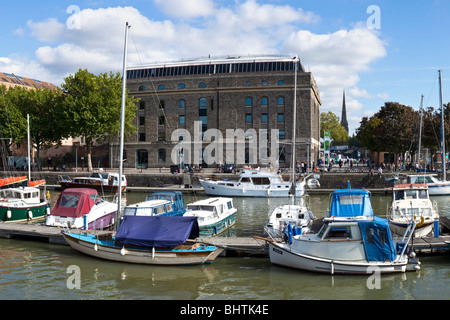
(344, 122)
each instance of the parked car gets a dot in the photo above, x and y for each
(228, 168)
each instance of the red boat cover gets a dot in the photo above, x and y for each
(75, 202)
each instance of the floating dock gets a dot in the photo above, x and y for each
(237, 246)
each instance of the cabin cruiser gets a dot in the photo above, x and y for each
(164, 203)
(436, 187)
(82, 208)
(214, 215)
(411, 201)
(22, 204)
(253, 183)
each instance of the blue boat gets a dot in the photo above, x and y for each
(353, 204)
(160, 240)
(160, 203)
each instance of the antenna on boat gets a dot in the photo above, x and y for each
(122, 124)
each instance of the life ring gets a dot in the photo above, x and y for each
(316, 170)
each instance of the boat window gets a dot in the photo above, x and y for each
(379, 234)
(339, 232)
(423, 194)
(261, 181)
(351, 199)
(229, 204)
(410, 194)
(144, 211)
(129, 211)
(169, 207)
(69, 201)
(198, 207)
(399, 195)
(160, 210)
(245, 179)
(95, 197)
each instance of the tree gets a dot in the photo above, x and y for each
(93, 106)
(366, 133)
(330, 122)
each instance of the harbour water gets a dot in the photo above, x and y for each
(33, 270)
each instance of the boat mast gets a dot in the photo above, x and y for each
(292, 191)
(29, 147)
(444, 162)
(122, 124)
(420, 129)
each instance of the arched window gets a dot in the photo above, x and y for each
(280, 101)
(141, 159)
(248, 102)
(264, 102)
(248, 83)
(142, 88)
(161, 87)
(202, 85)
(280, 83)
(264, 83)
(181, 86)
(162, 155)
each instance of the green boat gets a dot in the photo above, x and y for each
(22, 204)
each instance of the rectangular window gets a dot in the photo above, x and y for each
(281, 134)
(182, 120)
(142, 121)
(162, 120)
(141, 137)
(280, 117)
(248, 118)
(264, 118)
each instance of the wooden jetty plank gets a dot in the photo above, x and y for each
(32, 230)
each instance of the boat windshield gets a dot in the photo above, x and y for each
(410, 194)
(413, 212)
(137, 211)
(200, 207)
(69, 201)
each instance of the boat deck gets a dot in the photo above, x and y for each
(233, 245)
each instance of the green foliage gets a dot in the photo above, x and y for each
(331, 122)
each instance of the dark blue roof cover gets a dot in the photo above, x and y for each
(377, 240)
(351, 203)
(157, 231)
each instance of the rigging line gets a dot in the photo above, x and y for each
(152, 84)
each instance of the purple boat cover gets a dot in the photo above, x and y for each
(157, 231)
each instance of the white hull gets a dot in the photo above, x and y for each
(295, 215)
(159, 257)
(281, 254)
(400, 228)
(281, 190)
(439, 189)
(98, 218)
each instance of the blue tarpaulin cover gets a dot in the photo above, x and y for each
(157, 231)
(377, 240)
(351, 203)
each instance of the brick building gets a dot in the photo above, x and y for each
(252, 93)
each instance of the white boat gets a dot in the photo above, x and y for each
(345, 247)
(411, 201)
(165, 203)
(82, 208)
(22, 204)
(158, 240)
(436, 187)
(214, 215)
(297, 215)
(253, 183)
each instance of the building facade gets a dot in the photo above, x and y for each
(212, 111)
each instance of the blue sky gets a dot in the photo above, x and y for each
(398, 60)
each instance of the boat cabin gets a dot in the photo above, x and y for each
(410, 191)
(217, 206)
(175, 197)
(22, 195)
(350, 204)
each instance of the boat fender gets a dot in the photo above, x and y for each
(48, 210)
(95, 247)
(123, 251)
(422, 220)
(8, 214)
(30, 214)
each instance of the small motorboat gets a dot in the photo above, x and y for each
(22, 204)
(160, 240)
(160, 203)
(82, 208)
(412, 201)
(297, 214)
(214, 215)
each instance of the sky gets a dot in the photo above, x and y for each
(375, 51)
